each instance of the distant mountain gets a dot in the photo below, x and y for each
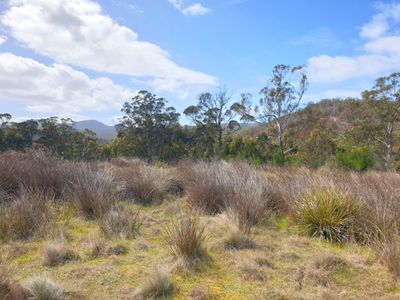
(102, 131)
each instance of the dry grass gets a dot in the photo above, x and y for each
(33, 170)
(158, 285)
(185, 237)
(142, 183)
(42, 288)
(216, 186)
(27, 216)
(92, 192)
(121, 221)
(319, 269)
(10, 289)
(58, 254)
(237, 239)
(389, 250)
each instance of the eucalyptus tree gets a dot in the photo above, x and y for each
(280, 98)
(216, 115)
(148, 123)
(381, 115)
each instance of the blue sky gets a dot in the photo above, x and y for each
(84, 58)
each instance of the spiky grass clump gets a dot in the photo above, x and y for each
(92, 192)
(57, 254)
(142, 183)
(158, 285)
(10, 289)
(328, 214)
(27, 216)
(185, 237)
(42, 288)
(121, 221)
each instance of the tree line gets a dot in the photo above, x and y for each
(355, 134)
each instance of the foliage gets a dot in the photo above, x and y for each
(357, 159)
(328, 214)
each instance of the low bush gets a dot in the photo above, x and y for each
(42, 288)
(329, 214)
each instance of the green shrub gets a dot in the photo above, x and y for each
(329, 214)
(356, 159)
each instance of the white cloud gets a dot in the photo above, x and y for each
(3, 39)
(56, 89)
(195, 9)
(380, 52)
(77, 32)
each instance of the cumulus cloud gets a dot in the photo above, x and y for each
(195, 9)
(380, 51)
(78, 33)
(3, 39)
(57, 89)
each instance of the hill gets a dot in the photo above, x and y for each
(102, 130)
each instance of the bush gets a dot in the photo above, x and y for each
(26, 216)
(92, 192)
(42, 288)
(121, 221)
(142, 183)
(157, 286)
(185, 237)
(329, 214)
(356, 159)
(54, 255)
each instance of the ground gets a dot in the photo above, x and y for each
(283, 264)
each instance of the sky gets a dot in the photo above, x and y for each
(84, 58)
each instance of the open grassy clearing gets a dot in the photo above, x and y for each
(169, 233)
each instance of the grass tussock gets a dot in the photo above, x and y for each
(237, 239)
(319, 270)
(27, 216)
(216, 186)
(10, 288)
(328, 214)
(92, 192)
(121, 221)
(58, 254)
(158, 285)
(33, 170)
(185, 237)
(42, 288)
(389, 251)
(141, 183)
